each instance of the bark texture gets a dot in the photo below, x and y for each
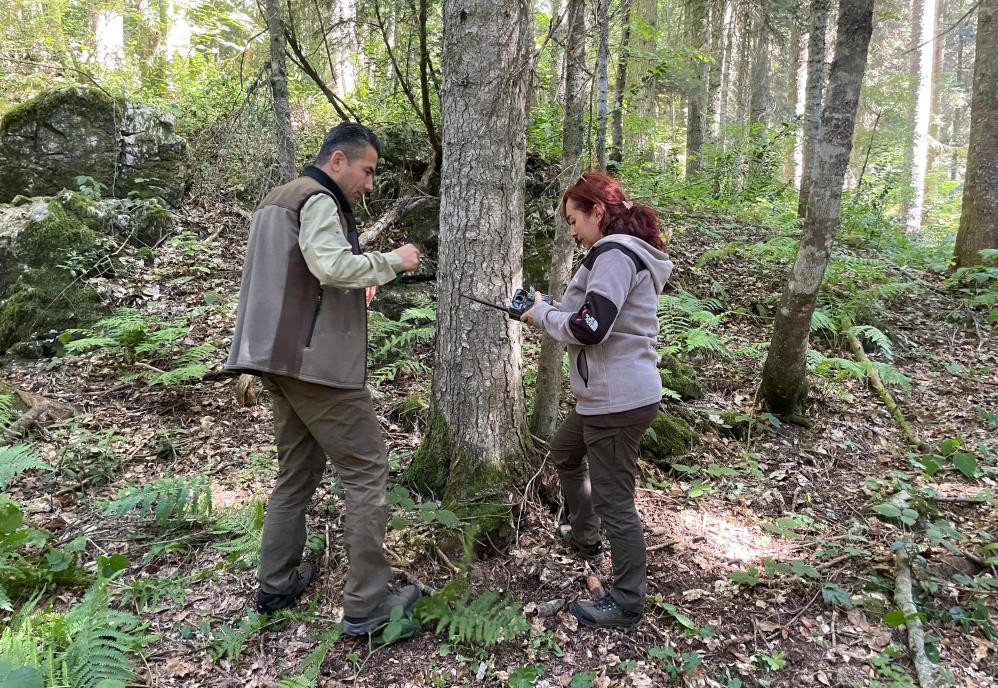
(287, 169)
(784, 383)
(979, 217)
(813, 98)
(602, 79)
(620, 85)
(549, 367)
(477, 442)
(696, 98)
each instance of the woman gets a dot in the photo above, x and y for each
(608, 318)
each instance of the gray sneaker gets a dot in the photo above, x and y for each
(403, 597)
(603, 613)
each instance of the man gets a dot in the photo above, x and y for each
(302, 327)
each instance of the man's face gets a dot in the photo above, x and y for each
(354, 177)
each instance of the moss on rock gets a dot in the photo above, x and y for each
(668, 437)
(679, 377)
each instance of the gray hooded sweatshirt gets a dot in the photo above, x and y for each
(609, 319)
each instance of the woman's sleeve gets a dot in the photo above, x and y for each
(606, 290)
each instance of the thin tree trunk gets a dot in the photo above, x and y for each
(784, 382)
(602, 85)
(722, 105)
(979, 218)
(936, 126)
(922, 111)
(696, 98)
(795, 70)
(955, 137)
(477, 443)
(617, 116)
(813, 98)
(287, 168)
(549, 367)
(760, 104)
(720, 11)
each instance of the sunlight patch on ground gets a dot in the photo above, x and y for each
(729, 538)
(223, 497)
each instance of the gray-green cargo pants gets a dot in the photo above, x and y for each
(604, 491)
(312, 421)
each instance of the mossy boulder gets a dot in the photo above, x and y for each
(50, 246)
(65, 133)
(680, 378)
(668, 437)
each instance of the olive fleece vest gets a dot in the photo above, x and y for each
(287, 323)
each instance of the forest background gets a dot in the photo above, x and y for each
(817, 491)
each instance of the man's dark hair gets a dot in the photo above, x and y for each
(351, 138)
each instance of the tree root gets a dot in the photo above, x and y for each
(885, 396)
(916, 634)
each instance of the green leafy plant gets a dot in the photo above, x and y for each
(245, 525)
(168, 501)
(481, 622)
(392, 342)
(17, 459)
(312, 664)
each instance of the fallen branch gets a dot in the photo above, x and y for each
(27, 420)
(916, 634)
(885, 396)
(389, 218)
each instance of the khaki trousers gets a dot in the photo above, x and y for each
(312, 422)
(603, 491)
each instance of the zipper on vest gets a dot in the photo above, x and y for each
(315, 319)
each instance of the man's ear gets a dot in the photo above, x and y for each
(337, 159)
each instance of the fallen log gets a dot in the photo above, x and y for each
(913, 624)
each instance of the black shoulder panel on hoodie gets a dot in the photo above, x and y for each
(591, 323)
(613, 246)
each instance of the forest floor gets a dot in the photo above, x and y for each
(767, 564)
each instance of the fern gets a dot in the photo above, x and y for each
(882, 342)
(17, 459)
(821, 320)
(426, 312)
(8, 411)
(313, 663)
(482, 622)
(100, 641)
(169, 500)
(246, 524)
(891, 376)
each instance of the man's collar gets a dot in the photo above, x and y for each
(318, 175)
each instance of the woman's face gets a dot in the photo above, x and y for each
(583, 226)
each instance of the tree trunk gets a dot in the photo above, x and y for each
(646, 44)
(344, 40)
(922, 112)
(557, 41)
(796, 77)
(287, 168)
(696, 97)
(722, 105)
(617, 117)
(720, 11)
(549, 367)
(602, 85)
(477, 444)
(784, 382)
(759, 103)
(936, 127)
(979, 217)
(813, 98)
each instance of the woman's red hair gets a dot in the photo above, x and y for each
(620, 214)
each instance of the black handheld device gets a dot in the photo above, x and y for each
(522, 301)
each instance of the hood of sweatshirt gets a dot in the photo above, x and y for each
(657, 262)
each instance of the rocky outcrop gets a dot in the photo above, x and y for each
(50, 141)
(49, 246)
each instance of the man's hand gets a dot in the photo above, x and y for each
(369, 293)
(528, 317)
(410, 257)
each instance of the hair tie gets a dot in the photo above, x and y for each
(628, 205)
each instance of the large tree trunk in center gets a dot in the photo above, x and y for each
(477, 444)
(549, 367)
(979, 218)
(784, 383)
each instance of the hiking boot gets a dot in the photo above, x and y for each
(268, 603)
(403, 597)
(604, 613)
(593, 554)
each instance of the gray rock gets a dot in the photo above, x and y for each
(61, 134)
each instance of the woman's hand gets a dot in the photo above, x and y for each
(528, 317)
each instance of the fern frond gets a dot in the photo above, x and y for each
(427, 313)
(881, 340)
(17, 459)
(821, 320)
(170, 500)
(484, 621)
(891, 376)
(246, 524)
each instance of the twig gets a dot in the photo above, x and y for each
(916, 634)
(662, 545)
